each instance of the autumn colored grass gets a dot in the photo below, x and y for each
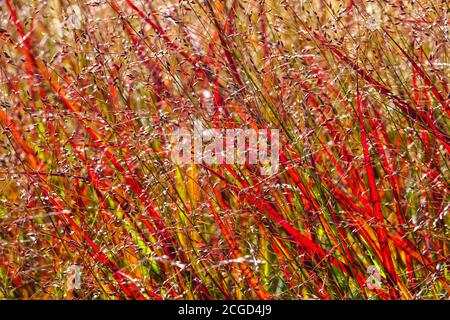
(93, 207)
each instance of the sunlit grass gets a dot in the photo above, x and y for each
(92, 90)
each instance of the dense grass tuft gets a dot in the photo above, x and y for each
(91, 91)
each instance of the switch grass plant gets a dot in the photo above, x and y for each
(91, 91)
